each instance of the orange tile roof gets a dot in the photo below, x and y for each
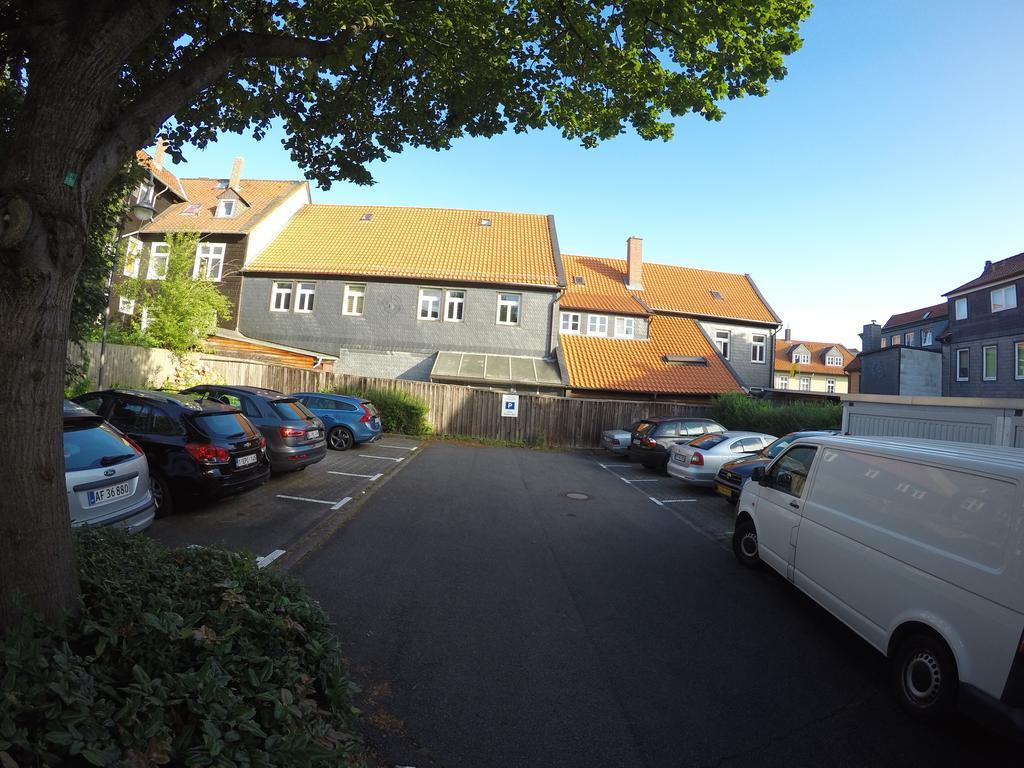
(436, 244)
(161, 174)
(784, 356)
(259, 194)
(933, 312)
(603, 288)
(682, 289)
(624, 365)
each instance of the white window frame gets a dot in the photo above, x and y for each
(986, 374)
(723, 344)
(805, 384)
(801, 357)
(625, 327)
(353, 299)
(895, 340)
(884, 343)
(758, 347)
(569, 322)
(782, 381)
(278, 290)
(908, 339)
(132, 256)
(966, 352)
(125, 306)
(158, 253)
(960, 308)
(509, 304)
(1018, 349)
(222, 209)
(927, 338)
(830, 386)
(834, 360)
(213, 255)
(597, 325)
(1007, 298)
(305, 295)
(454, 300)
(428, 306)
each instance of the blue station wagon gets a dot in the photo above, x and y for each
(348, 420)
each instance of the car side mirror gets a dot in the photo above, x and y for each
(758, 475)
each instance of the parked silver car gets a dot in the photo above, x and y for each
(699, 460)
(617, 440)
(106, 474)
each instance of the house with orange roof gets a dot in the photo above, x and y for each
(812, 366)
(630, 328)
(436, 294)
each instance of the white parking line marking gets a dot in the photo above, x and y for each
(342, 503)
(396, 447)
(353, 474)
(384, 458)
(263, 562)
(640, 480)
(675, 501)
(303, 498)
(626, 466)
(656, 501)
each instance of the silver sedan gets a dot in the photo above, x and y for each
(699, 460)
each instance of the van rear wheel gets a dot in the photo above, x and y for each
(925, 678)
(744, 543)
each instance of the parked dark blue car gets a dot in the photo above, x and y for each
(348, 420)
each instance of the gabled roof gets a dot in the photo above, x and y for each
(994, 272)
(917, 315)
(161, 174)
(817, 349)
(435, 244)
(198, 213)
(624, 365)
(602, 288)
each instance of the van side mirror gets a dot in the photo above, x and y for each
(758, 475)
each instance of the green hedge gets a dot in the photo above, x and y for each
(400, 412)
(183, 657)
(738, 411)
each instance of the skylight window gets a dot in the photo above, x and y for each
(926, 315)
(578, 280)
(222, 184)
(716, 295)
(192, 209)
(366, 217)
(685, 360)
(485, 222)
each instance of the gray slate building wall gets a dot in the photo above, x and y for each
(751, 374)
(390, 322)
(640, 324)
(1006, 383)
(935, 326)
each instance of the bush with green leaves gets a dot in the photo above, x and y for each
(401, 413)
(738, 411)
(184, 657)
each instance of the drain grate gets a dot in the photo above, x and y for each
(577, 496)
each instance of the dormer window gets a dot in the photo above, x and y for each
(225, 209)
(833, 360)
(801, 357)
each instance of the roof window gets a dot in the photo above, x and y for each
(926, 315)
(716, 295)
(578, 280)
(192, 209)
(685, 359)
(222, 184)
(485, 222)
(366, 217)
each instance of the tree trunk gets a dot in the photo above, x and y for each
(41, 250)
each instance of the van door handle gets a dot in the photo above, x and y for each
(794, 505)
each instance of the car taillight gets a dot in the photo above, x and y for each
(263, 442)
(207, 454)
(367, 416)
(291, 432)
(649, 442)
(697, 459)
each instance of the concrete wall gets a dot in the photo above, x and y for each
(751, 374)
(1006, 383)
(920, 372)
(390, 322)
(880, 372)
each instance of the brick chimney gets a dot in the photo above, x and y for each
(158, 153)
(236, 173)
(634, 263)
(787, 334)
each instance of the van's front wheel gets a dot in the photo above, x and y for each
(925, 678)
(744, 543)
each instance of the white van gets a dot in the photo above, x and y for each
(918, 546)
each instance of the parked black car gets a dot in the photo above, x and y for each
(652, 438)
(295, 436)
(731, 477)
(198, 450)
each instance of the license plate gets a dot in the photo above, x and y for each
(724, 490)
(110, 493)
(313, 434)
(245, 461)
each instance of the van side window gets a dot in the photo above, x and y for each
(790, 472)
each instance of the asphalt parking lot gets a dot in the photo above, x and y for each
(272, 519)
(506, 607)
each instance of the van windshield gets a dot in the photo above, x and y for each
(777, 447)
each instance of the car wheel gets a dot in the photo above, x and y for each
(925, 678)
(161, 495)
(744, 543)
(340, 438)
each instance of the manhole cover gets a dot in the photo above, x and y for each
(577, 496)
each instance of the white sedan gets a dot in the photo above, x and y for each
(699, 460)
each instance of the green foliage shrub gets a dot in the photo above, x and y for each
(401, 413)
(183, 657)
(738, 411)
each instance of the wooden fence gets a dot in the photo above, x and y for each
(454, 410)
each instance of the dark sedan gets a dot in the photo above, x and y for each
(731, 477)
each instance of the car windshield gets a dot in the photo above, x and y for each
(88, 445)
(225, 425)
(291, 410)
(778, 446)
(707, 441)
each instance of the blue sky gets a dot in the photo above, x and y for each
(882, 172)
